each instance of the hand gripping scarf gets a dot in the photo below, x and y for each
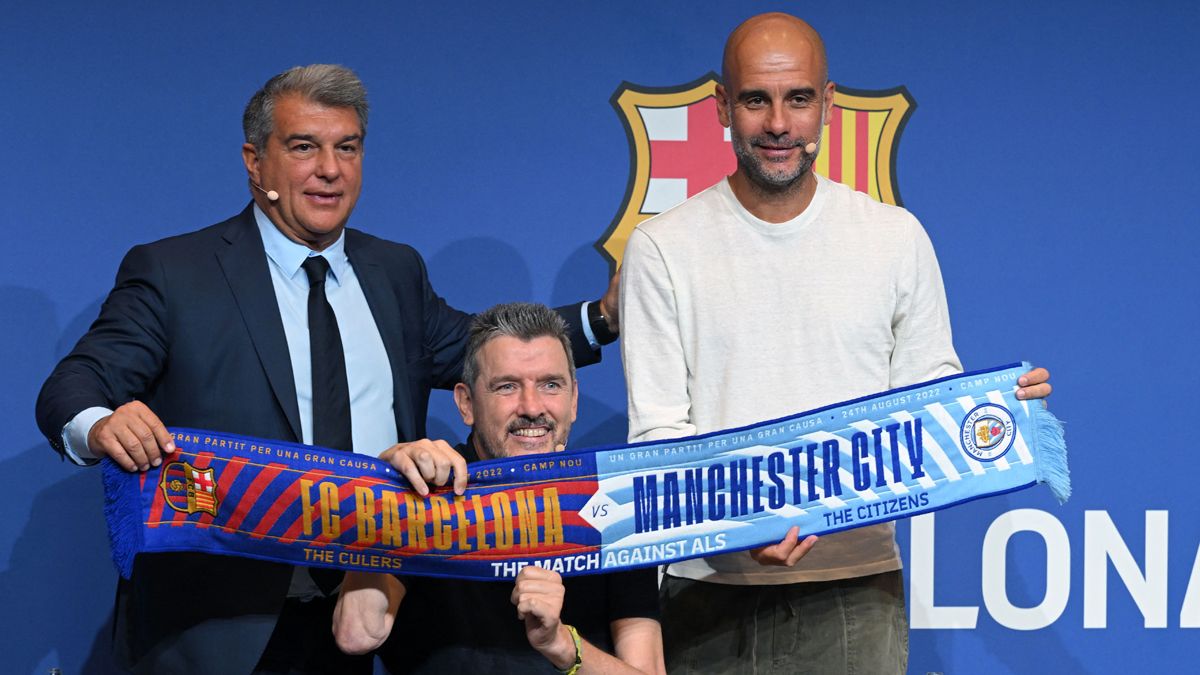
(874, 459)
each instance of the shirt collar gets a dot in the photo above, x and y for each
(467, 449)
(289, 256)
(786, 228)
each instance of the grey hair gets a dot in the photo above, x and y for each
(329, 85)
(522, 320)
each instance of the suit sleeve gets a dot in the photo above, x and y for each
(447, 330)
(120, 356)
(444, 333)
(581, 347)
(656, 370)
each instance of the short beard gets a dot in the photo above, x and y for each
(760, 174)
(497, 451)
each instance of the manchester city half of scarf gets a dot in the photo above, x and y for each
(874, 459)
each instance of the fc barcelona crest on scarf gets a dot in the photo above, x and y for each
(188, 489)
(677, 147)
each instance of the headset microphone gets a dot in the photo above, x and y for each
(271, 194)
(811, 149)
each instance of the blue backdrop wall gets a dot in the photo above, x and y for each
(1051, 156)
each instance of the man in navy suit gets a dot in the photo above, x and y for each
(210, 330)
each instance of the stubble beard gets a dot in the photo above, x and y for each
(760, 173)
(493, 448)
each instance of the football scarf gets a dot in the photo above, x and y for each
(878, 458)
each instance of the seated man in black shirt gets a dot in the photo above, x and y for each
(519, 396)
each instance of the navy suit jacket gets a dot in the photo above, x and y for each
(192, 329)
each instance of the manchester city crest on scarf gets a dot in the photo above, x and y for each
(677, 148)
(987, 432)
(188, 489)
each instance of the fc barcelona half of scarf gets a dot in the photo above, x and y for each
(892, 455)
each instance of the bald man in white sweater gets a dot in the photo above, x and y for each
(773, 292)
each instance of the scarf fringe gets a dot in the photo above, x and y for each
(122, 511)
(1052, 452)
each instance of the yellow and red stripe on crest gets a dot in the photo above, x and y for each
(858, 148)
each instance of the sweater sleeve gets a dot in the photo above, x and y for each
(924, 349)
(656, 370)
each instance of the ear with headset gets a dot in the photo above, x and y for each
(271, 194)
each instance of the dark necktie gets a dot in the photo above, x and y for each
(330, 392)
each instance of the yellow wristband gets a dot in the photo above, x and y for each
(578, 651)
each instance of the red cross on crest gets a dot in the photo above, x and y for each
(202, 480)
(702, 158)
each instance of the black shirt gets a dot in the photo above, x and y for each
(457, 626)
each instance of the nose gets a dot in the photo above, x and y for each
(328, 167)
(530, 402)
(776, 122)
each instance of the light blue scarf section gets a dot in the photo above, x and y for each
(882, 457)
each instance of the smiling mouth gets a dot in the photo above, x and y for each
(530, 432)
(324, 197)
(531, 429)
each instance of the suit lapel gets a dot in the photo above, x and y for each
(386, 310)
(244, 263)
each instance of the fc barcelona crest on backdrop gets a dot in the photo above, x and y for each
(677, 147)
(188, 489)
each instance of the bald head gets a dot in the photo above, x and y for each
(774, 97)
(773, 40)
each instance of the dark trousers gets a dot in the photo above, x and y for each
(822, 627)
(303, 643)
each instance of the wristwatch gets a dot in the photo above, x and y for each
(599, 324)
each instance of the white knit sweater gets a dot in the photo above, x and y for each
(728, 320)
